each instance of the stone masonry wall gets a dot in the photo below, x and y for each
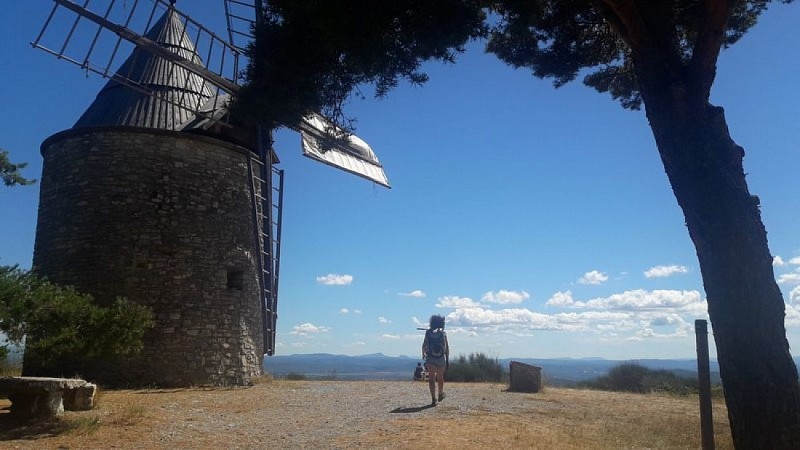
(162, 218)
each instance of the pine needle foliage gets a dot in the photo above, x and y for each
(633, 377)
(312, 56)
(56, 322)
(477, 367)
(10, 172)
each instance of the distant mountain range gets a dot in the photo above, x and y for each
(557, 372)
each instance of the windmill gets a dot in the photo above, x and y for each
(179, 77)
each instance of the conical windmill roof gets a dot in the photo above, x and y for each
(178, 92)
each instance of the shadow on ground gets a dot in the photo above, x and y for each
(410, 410)
(12, 429)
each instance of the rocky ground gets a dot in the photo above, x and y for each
(359, 414)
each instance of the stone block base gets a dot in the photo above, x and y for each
(525, 377)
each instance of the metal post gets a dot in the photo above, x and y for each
(704, 381)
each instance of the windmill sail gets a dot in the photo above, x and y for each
(241, 16)
(100, 31)
(350, 153)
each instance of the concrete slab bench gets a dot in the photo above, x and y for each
(42, 397)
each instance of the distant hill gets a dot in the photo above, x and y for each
(322, 365)
(568, 371)
(557, 372)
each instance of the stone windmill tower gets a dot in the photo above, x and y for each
(156, 196)
(137, 203)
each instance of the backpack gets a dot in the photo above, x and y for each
(436, 343)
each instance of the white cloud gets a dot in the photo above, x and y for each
(359, 343)
(333, 279)
(462, 331)
(452, 301)
(630, 315)
(792, 316)
(308, 329)
(778, 261)
(664, 271)
(356, 311)
(477, 317)
(587, 316)
(382, 319)
(641, 299)
(593, 277)
(794, 296)
(344, 311)
(414, 337)
(790, 278)
(795, 261)
(696, 310)
(415, 293)
(504, 297)
(663, 319)
(614, 327)
(561, 299)
(648, 333)
(513, 320)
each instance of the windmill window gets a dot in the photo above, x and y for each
(235, 279)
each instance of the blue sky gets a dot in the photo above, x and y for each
(539, 221)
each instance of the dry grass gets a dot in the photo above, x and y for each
(285, 414)
(10, 370)
(573, 419)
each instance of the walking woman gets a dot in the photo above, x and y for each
(436, 353)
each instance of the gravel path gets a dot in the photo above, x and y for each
(280, 414)
(333, 409)
(361, 414)
(329, 414)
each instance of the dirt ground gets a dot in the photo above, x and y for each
(358, 414)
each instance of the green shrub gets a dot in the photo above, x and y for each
(58, 323)
(477, 367)
(294, 376)
(632, 377)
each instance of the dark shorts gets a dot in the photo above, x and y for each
(437, 361)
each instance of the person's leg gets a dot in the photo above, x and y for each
(432, 382)
(441, 383)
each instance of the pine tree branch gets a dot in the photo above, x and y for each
(622, 18)
(703, 64)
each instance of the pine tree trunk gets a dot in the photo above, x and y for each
(745, 305)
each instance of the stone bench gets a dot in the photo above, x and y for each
(40, 397)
